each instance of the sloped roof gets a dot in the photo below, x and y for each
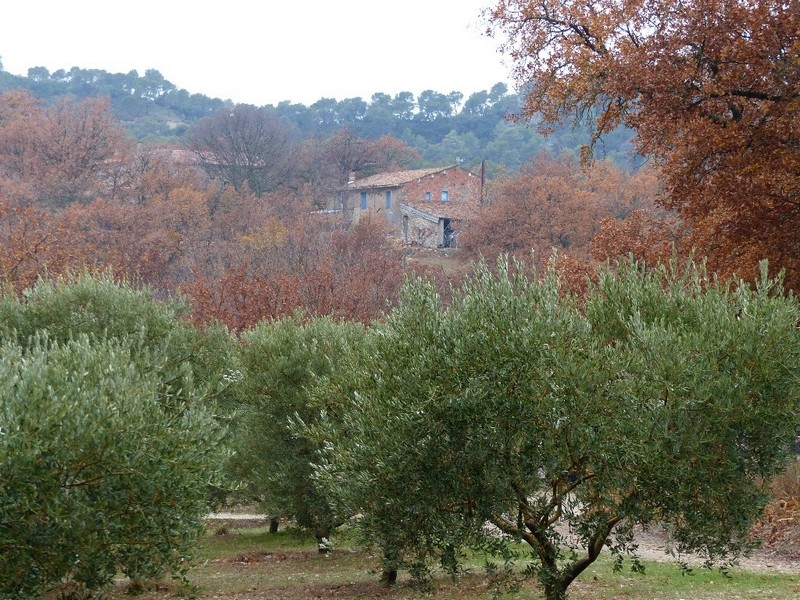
(181, 156)
(458, 211)
(395, 178)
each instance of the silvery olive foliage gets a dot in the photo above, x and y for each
(519, 412)
(281, 362)
(108, 435)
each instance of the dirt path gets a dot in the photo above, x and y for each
(652, 546)
(235, 516)
(653, 543)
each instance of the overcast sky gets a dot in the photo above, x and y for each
(263, 52)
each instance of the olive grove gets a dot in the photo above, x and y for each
(521, 413)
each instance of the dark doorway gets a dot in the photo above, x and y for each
(449, 237)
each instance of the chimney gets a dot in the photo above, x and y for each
(351, 178)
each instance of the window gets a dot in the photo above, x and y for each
(445, 195)
(363, 200)
(389, 199)
(427, 196)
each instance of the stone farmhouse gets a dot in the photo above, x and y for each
(423, 206)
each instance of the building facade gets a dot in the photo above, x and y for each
(423, 207)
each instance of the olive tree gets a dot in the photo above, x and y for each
(519, 412)
(280, 364)
(95, 476)
(190, 360)
(108, 434)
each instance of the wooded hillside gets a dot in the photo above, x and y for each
(444, 128)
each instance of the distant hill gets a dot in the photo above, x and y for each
(443, 128)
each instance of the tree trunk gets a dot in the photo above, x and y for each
(389, 577)
(323, 540)
(555, 590)
(273, 525)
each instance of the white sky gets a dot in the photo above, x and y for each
(263, 52)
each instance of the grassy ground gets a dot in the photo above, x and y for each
(449, 261)
(241, 561)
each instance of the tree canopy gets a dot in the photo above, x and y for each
(712, 90)
(108, 435)
(662, 397)
(280, 363)
(244, 146)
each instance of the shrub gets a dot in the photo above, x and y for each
(108, 440)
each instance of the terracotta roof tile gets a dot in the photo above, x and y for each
(394, 179)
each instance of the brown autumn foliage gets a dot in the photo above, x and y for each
(32, 244)
(148, 229)
(51, 156)
(245, 146)
(306, 264)
(345, 153)
(553, 204)
(153, 216)
(647, 236)
(712, 88)
(63, 153)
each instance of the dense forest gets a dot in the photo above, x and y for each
(444, 128)
(227, 217)
(95, 171)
